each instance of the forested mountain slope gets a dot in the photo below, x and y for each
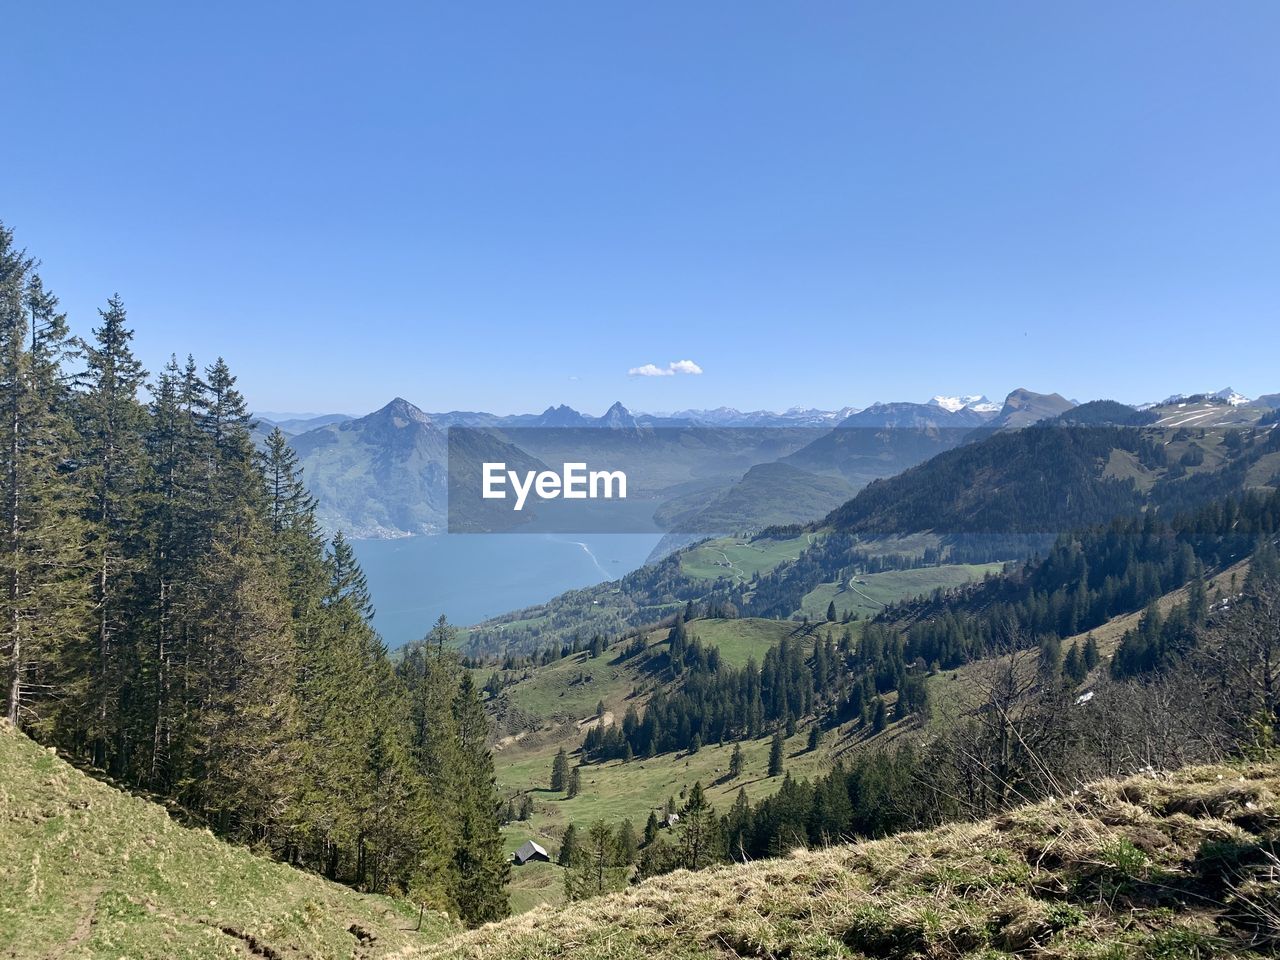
(858, 730)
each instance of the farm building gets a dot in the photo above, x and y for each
(530, 851)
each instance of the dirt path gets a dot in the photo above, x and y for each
(84, 925)
(864, 596)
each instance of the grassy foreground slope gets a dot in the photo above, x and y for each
(89, 871)
(1158, 867)
(1177, 866)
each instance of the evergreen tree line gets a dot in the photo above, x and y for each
(1162, 641)
(1085, 580)
(1088, 578)
(1025, 736)
(707, 701)
(171, 614)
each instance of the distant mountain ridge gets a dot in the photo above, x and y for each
(997, 496)
(385, 474)
(1023, 408)
(292, 426)
(1020, 406)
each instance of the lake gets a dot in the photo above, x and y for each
(469, 577)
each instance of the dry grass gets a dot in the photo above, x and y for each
(1168, 867)
(1179, 866)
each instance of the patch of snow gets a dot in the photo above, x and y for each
(973, 401)
(1233, 398)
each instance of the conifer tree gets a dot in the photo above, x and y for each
(479, 859)
(815, 737)
(568, 846)
(628, 845)
(596, 867)
(736, 762)
(775, 755)
(234, 486)
(559, 770)
(112, 421)
(42, 549)
(246, 724)
(651, 828)
(1090, 652)
(180, 527)
(880, 716)
(737, 827)
(699, 837)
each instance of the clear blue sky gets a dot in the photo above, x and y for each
(506, 205)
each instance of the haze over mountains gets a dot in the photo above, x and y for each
(385, 474)
(992, 497)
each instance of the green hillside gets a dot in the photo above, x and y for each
(1172, 866)
(739, 558)
(89, 871)
(867, 595)
(768, 494)
(557, 705)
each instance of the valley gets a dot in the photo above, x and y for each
(548, 707)
(766, 687)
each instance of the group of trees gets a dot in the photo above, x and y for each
(564, 777)
(809, 675)
(1162, 641)
(603, 859)
(1028, 735)
(707, 701)
(1086, 579)
(171, 613)
(599, 860)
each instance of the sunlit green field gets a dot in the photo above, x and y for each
(739, 558)
(744, 639)
(865, 596)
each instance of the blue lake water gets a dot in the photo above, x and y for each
(469, 577)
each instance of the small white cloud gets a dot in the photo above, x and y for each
(670, 370)
(649, 370)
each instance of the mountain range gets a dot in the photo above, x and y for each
(385, 474)
(995, 496)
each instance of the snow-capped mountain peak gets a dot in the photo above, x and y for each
(1226, 394)
(1233, 398)
(975, 402)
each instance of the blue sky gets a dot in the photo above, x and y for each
(506, 205)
